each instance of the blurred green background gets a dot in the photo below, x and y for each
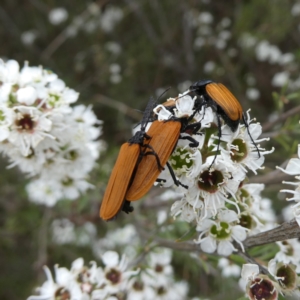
(119, 53)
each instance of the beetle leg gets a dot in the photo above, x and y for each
(160, 167)
(247, 126)
(159, 180)
(127, 207)
(219, 140)
(176, 181)
(193, 143)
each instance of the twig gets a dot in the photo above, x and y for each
(275, 176)
(64, 35)
(123, 108)
(187, 39)
(181, 246)
(287, 230)
(251, 260)
(9, 24)
(282, 117)
(161, 19)
(134, 6)
(43, 240)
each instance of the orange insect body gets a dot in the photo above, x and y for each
(217, 96)
(124, 170)
(226, 100)
(164, 139)
(224, 103)
(119, 181)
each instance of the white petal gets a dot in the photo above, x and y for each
(225, 248)
(272, 267)
(239, 233)
(44, 124)
(12, 71)
(4, 133)
(5, 90)
(77, 264)
(57, 85)
(110, 258)
(162, 113)
(209, 245)
(228, 216)
(249, 271)
(62, 275)
(26, 95)
(296, 213)
(70, 96)
(293, 166)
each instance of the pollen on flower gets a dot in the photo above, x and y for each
(26, 123)
(210, 181)
(62, 294)
(221, 232)
(114, 276)
(261, 288)
(239, 152)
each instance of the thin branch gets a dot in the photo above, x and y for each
(8, 23)
(123, 108)
(161, 18)
(64, 35)
(251, 260)
(273, 177)
(135, 7)
(282, 117)
(287, 230)
(42, 254)
(187, 39)
(181, 246)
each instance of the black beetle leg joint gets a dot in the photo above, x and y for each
(161, 181)
(127, 208)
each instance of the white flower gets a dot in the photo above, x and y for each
(211, 188)
(280, 79)
(218, 234)
(110, 18)
(6, 120)
(185, 211)
(45, 192)
(184, 106)
(229, 268)
(43, 135)
(293, 166)
(63, 231)
(30, 127)
(26, 95)
(58, 15)
(116, 277)
(28, 37)
(162, 113)
(9, 71)
(249, 271)
(48, 289)
(240, 147)
(289, 253)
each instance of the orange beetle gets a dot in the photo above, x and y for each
(164, 138)
(124, 170)
(221, 100)
(224, 103)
